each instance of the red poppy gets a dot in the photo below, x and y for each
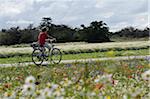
(99, 86)
(130, 76)
(7, 85)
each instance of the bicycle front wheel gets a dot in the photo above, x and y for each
(56, 56)
(37, 57)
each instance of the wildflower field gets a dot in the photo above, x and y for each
(126, 79)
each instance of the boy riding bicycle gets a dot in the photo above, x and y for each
(40, 54)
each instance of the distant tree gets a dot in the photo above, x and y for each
(82, 25)
(63, 33)
(29, 34)
(46, 21)
(132, 32)
(10, 36)
(5, 39)
(96, 32)
(30, 27)
(14, 32)
(3, 30)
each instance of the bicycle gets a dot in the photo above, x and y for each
(40, 54)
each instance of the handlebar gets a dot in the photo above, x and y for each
(50, 40)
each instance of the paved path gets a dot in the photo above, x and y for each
(81, 60)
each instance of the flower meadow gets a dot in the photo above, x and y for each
(128, 79)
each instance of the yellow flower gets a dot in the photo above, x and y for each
(149, 65)
(49, 85)
(110, 53)
(38, 92)
(108, 97)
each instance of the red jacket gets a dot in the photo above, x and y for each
(42, 38)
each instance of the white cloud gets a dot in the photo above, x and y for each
(19, 22)
(116, 13)
(14, 7)
(7, 9)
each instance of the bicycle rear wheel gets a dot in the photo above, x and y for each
(56, 56)
(37, 57)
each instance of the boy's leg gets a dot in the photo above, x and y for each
(47, 45)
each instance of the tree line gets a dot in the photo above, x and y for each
(95, 32)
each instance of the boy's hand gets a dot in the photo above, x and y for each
(54, 39)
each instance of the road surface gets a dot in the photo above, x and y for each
(81, 60)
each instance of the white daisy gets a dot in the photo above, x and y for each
(146, 75)
(30, 79)
(28, 89)
(54, 86)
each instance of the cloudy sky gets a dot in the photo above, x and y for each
(116, 13)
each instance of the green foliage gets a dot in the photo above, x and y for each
(16, 36)
(10, 37)
(4, 38)
(63, 33)
(96, 32)
(46, 21)
(28, 36)
(131, 32)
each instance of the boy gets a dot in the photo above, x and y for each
(43, 37)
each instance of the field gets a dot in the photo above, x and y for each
(100, 79)
(77, 46)
(22, 53)
(113, 79)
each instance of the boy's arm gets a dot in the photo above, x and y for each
(50, 37)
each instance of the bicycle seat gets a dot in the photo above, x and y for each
(35, 45)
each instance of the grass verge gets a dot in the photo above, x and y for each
(21, 59)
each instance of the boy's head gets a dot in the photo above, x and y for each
(44, 29)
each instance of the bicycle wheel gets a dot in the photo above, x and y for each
(37, 57)
(56, 56)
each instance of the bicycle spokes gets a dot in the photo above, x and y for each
(37, 57)
(56, 56)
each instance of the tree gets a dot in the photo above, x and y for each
(46, 21)
(63, 33)
(3, 30)
(131, 32)
(96, 32)
(30, 27)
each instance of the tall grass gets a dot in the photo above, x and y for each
(81, 46)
